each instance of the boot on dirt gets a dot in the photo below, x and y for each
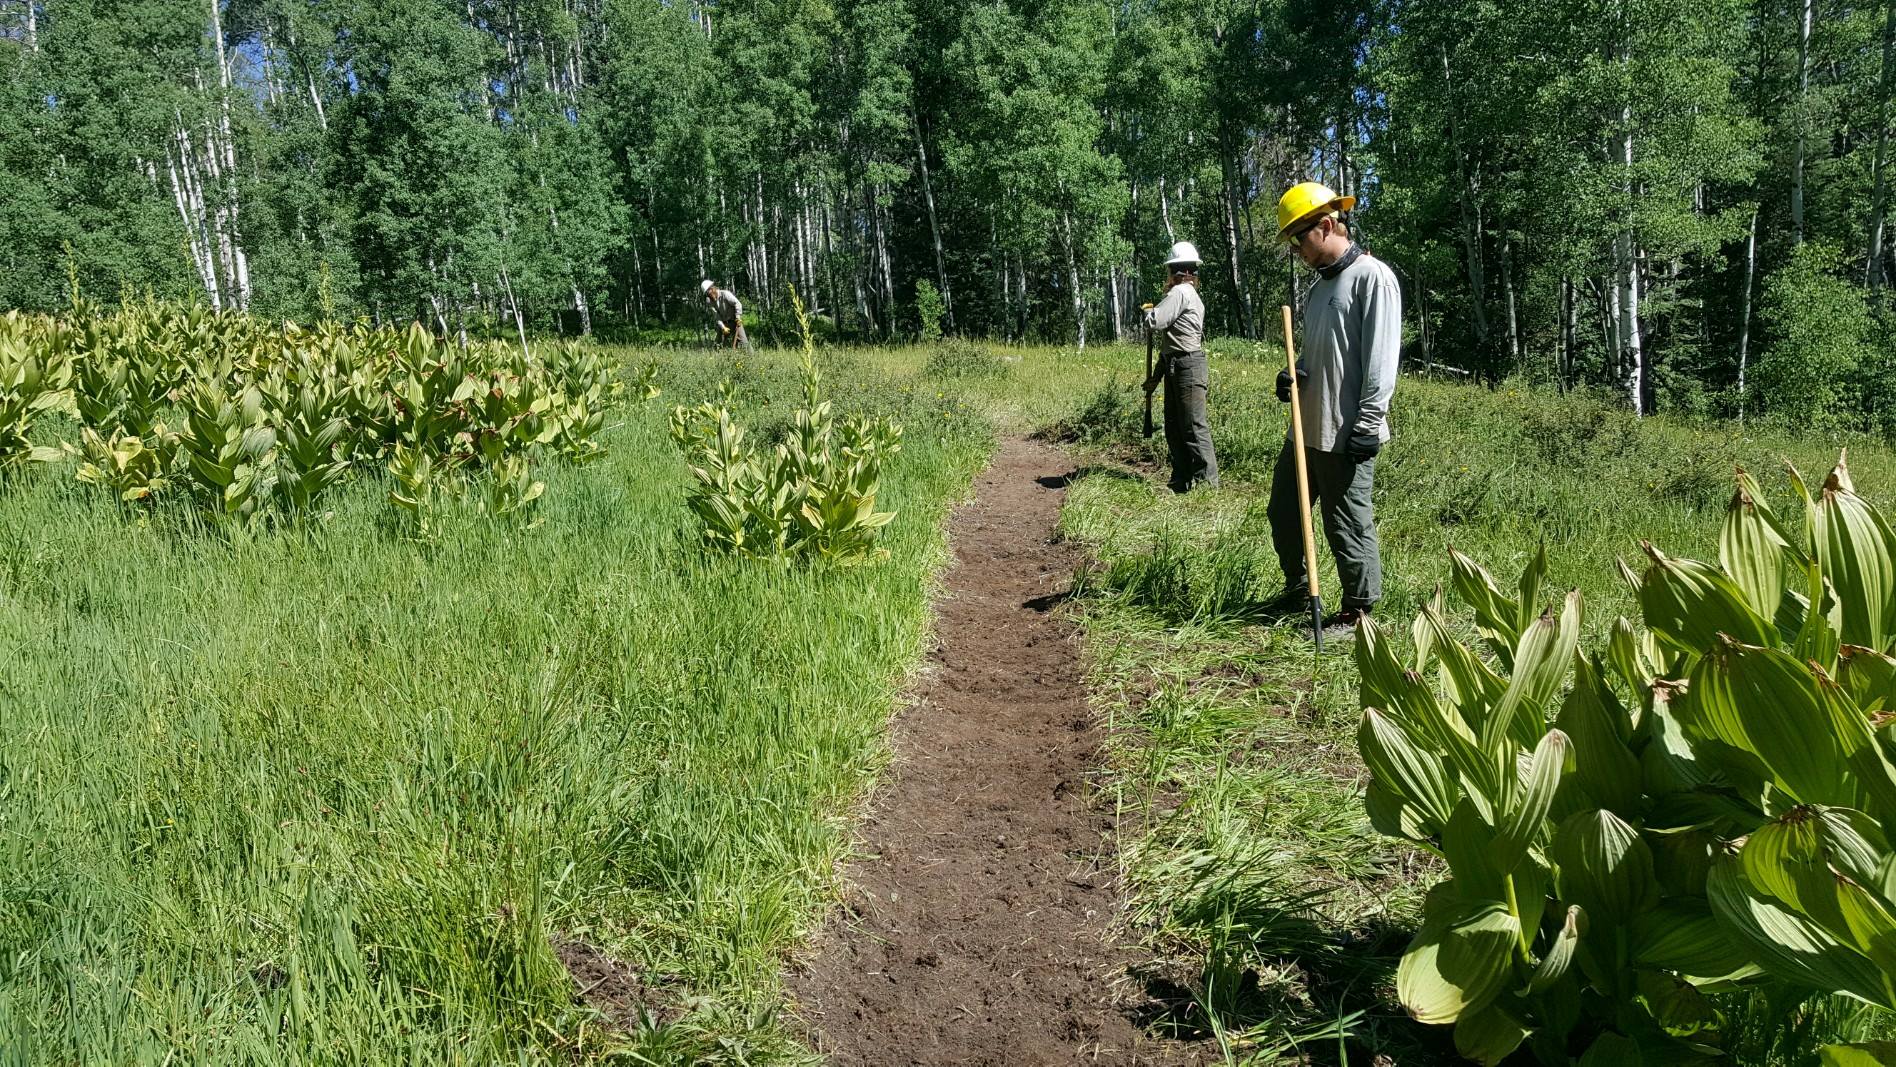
(1341, 625)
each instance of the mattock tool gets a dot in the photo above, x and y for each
(1303, 488)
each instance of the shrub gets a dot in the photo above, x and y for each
(958, 358)
(1723, 829)
(929, 309)
(811, 496)
(1817, 330)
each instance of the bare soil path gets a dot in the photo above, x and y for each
(977, 926)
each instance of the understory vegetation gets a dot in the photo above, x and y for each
(326, 793)
(1276, 912)
(570, 789)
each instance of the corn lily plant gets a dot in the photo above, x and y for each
(1612, 862)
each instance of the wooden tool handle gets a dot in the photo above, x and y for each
(1297, 449)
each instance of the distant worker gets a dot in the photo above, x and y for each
(1180, 320)
(1352, 336)
(727, 311)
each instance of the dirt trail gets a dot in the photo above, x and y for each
(976, 926)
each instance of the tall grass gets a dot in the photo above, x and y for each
(324, 795)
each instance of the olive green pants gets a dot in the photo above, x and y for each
(1341, 488)
(1187, 434)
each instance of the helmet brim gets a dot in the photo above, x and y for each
(1341, 203)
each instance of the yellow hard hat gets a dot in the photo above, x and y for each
(1307, 200)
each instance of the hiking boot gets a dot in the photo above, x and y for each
(1341, 625)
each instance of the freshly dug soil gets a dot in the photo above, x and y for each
(978, 922)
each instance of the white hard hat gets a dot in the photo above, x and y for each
(1183, 252)
(705, 286)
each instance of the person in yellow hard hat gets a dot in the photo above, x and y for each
(1352, 338)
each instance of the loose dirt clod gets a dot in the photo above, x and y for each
(978, 926)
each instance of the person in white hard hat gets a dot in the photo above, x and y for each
(727, 311)
(1179, 320)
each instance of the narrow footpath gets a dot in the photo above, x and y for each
(977, 924)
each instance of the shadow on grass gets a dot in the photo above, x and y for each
(1278, 978)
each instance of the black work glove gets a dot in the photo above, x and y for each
(1363, 444)
(1283, 383)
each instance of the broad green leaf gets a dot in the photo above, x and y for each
(1790, 946)
(1751, 550)
(1604, 867)
(1627, 660)
(1559, 956)
(1459, 960)
(1817, 639)
(1869, 677)
(1382, 674)
(1521, 820)
(1497, 615)
(1403, 763)
(1675, 1005)
(1683, 936)
(1612, 1050)
(1689, 604)
(1527, 604)
(1864, 1054)
(1670, 764)
(1541, 662)
(1871, 926)
(1605, 769)
(1765, 704)
(1488, 1036)
(1394, 817)
(1858, 554)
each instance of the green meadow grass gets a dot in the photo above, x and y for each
(1276, 913)
(323, 795)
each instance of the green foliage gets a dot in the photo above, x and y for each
(270, 420)
(1611, 863)
(958, 358)
(929, 309)
(813, 496)
(1818, 366)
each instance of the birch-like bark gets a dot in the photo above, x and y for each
(1507, 289)
(1073, 279)
(1875, 267)
(1803, 93)
(1165, 213)
(1228, 221)
(1626, 266)
(934, 229)
(1744, 318)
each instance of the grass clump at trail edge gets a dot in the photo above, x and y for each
(322, 794)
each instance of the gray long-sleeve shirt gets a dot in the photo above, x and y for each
(727, 307)
(1180, 319)
(1352, 338)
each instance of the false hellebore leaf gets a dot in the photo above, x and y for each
(1540, 664)
(1790, 946)
(1766, 705)
(1858, 553)
(1604, 867)
(1459, 960)
(1402, 764)
(1488, 1036)
(1751, 549)
(1521, 820)
(1689, 604)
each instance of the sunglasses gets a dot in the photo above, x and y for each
(1296, 237)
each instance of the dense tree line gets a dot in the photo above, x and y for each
(1683, 200)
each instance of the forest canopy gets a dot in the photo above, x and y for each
(1682, 201)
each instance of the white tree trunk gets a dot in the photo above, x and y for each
(1803, 92)
(1744, 320)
